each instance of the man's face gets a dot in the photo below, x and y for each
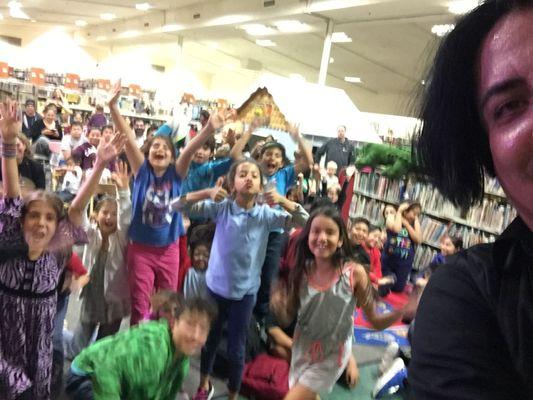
(138, 127)
(341, 133)
(30, 110)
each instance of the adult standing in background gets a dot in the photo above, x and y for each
(29, 117)
(339, 150)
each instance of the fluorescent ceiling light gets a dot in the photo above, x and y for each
(108, 16)
(353, 79)
(329, 5)
(143, 6)
(101, 38)
(331, 60)
(258, 29)
(232, 19)
(129, 34)
(80, 22)
(442, 29)
(171, 28)
(290, 26)
(15, 10)
(297, 77)
(265, 42)
(340, 37)
(462, 6)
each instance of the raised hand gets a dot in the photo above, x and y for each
(294, 131)
(272, 197)
(219, 118)
(114, 93)
(107, 152)
(121, 177)
(10, 124)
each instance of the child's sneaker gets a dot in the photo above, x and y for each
(205, 394)
(392, 380)
(388, 356)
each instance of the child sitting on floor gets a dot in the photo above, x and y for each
(199, 250)
(147, 362)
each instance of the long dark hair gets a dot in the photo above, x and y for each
(304, 257)
(452, 145)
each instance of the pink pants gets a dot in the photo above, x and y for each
(150, 269)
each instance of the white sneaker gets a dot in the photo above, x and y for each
(388, 356)
(392, 380)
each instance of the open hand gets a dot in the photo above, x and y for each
(114, 93)
(272, 197)
(10, 124)
(294, 131)
(107, 152)
(121, 177)
(219, 118)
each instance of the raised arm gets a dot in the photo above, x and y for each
(106, 152)
(215, 122)
(306, 161)
(395, 223)
(238, 147)
(10, 126)
(121, 178)
(415, 232)
(133, 153)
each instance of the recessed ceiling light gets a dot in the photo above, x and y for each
(80, 22)
(442, 29)
(143, 6)
(291, 26)
(258, 29)
(108, 16)
(101, 38)
(129, 34)
(462, 6)
(265, 43)
(171, 28)
(340, 37)
(33, 20)
(423, 82)
(353, 79)
(331, 60)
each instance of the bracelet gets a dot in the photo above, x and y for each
(8, 150)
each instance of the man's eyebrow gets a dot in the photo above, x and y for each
(500, 88)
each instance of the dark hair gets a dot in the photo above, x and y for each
(94, 128)
(76, 123)
(50, 106)
(167, 301)
(412, 204)
(457, 241)
(452, 145)
(202, 235)
(103, 200)
(76, 158)
(28, 153)
(152, 128)
(274, 144)
(385, 207)
(205, 114)
(108, 127)
(360, 220)
(233, 171)
(99, 107)
(49, 198)
(146, 146)
(197, 305)
(304, 257)
(210, 143)
(373, 228)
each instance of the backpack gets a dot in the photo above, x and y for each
(266, 378)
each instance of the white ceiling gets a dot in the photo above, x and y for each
(392, 39)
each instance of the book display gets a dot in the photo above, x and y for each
(479, 224)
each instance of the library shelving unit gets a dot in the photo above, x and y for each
(479, 224)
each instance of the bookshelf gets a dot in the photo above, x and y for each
(480, 224)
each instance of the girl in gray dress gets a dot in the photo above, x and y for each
(323, 290)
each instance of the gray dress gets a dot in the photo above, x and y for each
(323, 336)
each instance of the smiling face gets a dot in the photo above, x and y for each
(94, 137)
(189, 332)
(447, 248)
(247, 180)
(106, 217)
(272, 160)
(50, 116)
(373, 238)
(39, 225)
(75, 132)
(359, 233)
(324, 237)
(505, 96)
(160, 154)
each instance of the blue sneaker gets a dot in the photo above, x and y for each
(392, 380)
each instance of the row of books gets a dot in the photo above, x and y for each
(423, 257)
(492, 186)
(431, 199)
(371, 209)
(492, 213)
(379, 186)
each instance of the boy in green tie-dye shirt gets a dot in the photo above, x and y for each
(147, 362)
